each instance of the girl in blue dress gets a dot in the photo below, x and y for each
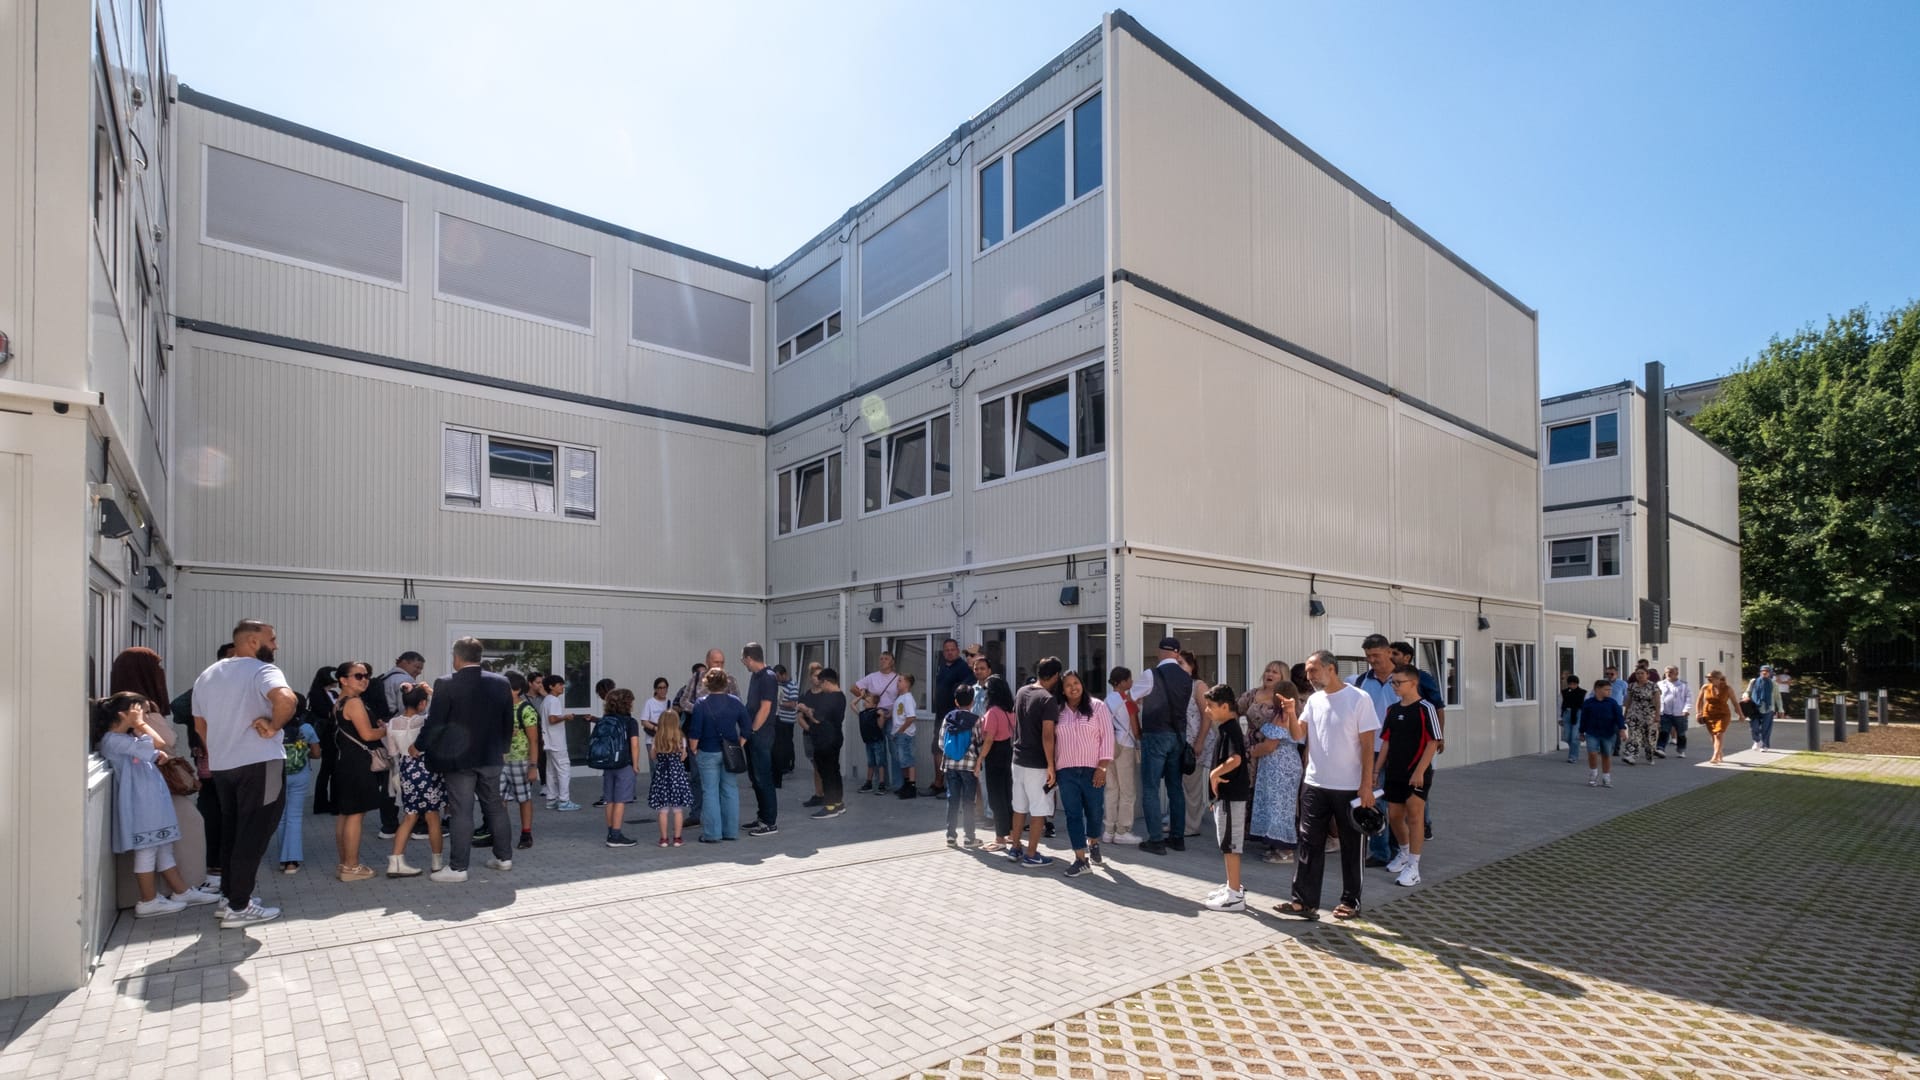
(144, 821)
(670, 793)
(1276, 759)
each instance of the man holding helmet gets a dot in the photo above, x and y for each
(1338, 725)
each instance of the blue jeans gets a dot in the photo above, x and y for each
(877, 754)
(1762, 728)
(1160, 778)
(293, 819)
(962, 789)
(901, 759)
(1570, 731)
(720, 798)
(760, 772)
(1084, 804)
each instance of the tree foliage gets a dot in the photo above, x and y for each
(1825, 425)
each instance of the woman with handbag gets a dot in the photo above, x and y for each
(717, 735)
(360, 768)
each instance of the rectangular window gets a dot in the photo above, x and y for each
(1044, 172)
(1585, 439)
(1620, 660)
(908, 464)
(1574, 557)
(808, 315)
(810, 494)
(908, 253)
(1221, 650)
(1082, 647)
(691, 320)
(910, 654)
(514, 274)
(1058, 420)
(1440, 658)
(285, 214)
(517, 476)
(1513, 675)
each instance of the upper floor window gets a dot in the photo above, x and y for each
(1058, 420)
(515, 275)
(808, 315)
(1584, 439)
(691, 321)
(810, 494)
(291, 216)
(518, 476)
(1056, 165)
(909, 464)
(1574, 557)
(909, 252)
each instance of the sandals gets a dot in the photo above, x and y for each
(1345, 912)
(1296, 910)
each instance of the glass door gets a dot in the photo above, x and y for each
(573, 653)
(1082, 647)
(1221, 650)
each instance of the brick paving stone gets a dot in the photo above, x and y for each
(850, 948)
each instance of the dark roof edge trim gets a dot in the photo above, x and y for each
(1593, 391)
(1585, 504)
(1126, 22)
(395, 364)
(960, 135)
(190, 96)
(1154, 288)
(978, 337)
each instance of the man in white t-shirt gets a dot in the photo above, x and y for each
(1338, 725)
(240, 705)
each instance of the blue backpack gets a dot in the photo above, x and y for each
(955, 744)
(609, 748)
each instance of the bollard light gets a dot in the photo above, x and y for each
(1840, 717)
(1813, 722)
(1866, 713)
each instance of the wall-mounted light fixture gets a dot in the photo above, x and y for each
(1590, 630)
(1315, 608)
(1480, 608)
(877, 615)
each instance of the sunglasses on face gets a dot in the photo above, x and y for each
(361, 675)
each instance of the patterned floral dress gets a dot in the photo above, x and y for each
(1643, 721)
(1276, 780)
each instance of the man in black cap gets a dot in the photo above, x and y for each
(1163, 694)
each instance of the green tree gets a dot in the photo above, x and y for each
(1825, 425)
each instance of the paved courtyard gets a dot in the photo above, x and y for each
(1674, 925)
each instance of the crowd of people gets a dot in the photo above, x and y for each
(1304, 763)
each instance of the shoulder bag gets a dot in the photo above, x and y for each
(733, 756)
(181, 777)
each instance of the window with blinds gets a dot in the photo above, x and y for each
(503, 474)
(687, 319)
(289, 215)
(909, 252)
(808, 315)
(514, 274)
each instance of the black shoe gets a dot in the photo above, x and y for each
(1049, 833)
(883, 790)
(1154, 847)
(1375, 863)
(1429, 830)
(482, 836)
(868, 786)
(757, 829)
(419, 832)
(621, 840)
(599, 802)
(908, 791)
(750, 826)
(1093, 854)
(526, 841)
(1176, 843)
(1079, 867)
(815, 801)
(690, 822)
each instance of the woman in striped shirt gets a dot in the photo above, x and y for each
(1083, 751)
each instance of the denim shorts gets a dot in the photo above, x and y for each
(902, 750)
(877, 754)
(1603, 744)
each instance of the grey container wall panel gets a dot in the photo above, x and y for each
(1513, 373)
(1704, 483)
(1055, 511)
(1706, 580)
(801, 384)
(809, 619)
(245, 461)
(907, 331)
(240, 289)
(1456, 341)
(321, 621)
(1048, 259)
(1408, 357)
(1602, 598)
(1466, 519)
(1222, 401)
(812, 559)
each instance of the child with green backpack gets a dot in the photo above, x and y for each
(300, 746)
(962, 754)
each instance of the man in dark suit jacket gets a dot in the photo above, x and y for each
(464, 739)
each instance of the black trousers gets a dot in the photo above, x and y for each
(462, 788)
(826, 762)
(251, 798)
(1321, 809)
(997, 770)
(782, 750)
(760, 773)
(389, 812)
(209, 804)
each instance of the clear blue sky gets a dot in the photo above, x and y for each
(1662, 181)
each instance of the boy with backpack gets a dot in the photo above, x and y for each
(521, 770)
(614, 749)
(962, 760)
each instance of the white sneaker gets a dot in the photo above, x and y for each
(1607, 780)
(448, 875)
(1593, 781)
(1218, 892)
(159, 905)
(1409, 876)
(1228, 901)
(195, 898)
(220, 908)
(211, 885)
(499, 864)
(1128, 837)
(249, 915)
(1398, 863)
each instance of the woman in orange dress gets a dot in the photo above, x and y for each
(1714, 709)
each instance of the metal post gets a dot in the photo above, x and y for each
(1813, 722)
(1840, 717)
(1883, 708)
(1866, 713)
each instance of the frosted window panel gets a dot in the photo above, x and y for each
(284, 212)
(515, 273)
(904, 255)
(693, 320)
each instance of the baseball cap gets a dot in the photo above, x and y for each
(1170, 644)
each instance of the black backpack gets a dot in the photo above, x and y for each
(379, 711)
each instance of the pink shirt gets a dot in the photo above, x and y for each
(1083, 742)
(998, 723)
